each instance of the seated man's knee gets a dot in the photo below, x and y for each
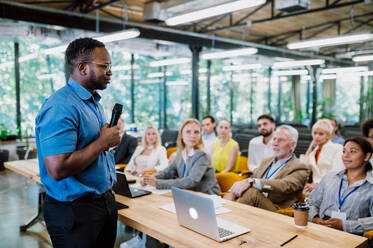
(249, 196)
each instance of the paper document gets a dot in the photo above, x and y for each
(218, 204)
(151, 189)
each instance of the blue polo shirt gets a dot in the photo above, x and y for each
(69, 120)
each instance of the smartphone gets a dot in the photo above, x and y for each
(121, 205)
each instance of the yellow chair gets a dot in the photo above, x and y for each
(227, 179)
(171, 150)
(242, 168)
(369, 235)
(290, 211)
(120, 166)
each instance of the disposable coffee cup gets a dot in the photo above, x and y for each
(301, 214)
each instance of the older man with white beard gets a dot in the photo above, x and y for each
(279, 180)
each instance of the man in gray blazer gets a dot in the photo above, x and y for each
(279, 181)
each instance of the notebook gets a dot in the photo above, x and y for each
(121, 187)
(198, 214)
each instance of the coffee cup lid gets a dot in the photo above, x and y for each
(301, 206)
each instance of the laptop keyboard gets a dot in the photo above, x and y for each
(224, 232)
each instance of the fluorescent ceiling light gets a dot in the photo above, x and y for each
(28, 57)
(52, 75)
(166, 62)
(328, 76)
(344, 69)
(122, 35)
(128, 77)
(159, 74)
(241, 67)
(290, 73)
(54, 50)
(366, 73)
(298, 63)
(362, 58)
(177, 83)
(283, 78)
(331, 41)
(305, 77)
(213, 11)
(230, 53)
(186, 72)
(124, 68)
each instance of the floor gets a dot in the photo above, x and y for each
(19, 198)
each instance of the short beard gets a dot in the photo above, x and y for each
(267, 134)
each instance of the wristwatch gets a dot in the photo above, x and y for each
(251, 181)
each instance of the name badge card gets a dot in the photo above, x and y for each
(339, 215)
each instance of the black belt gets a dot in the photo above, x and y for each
(96, 196)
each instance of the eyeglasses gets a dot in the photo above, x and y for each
(106, 67)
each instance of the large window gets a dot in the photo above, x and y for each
(7, 87)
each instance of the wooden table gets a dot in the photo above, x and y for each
(268, 229)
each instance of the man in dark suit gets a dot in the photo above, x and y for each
(126, 148)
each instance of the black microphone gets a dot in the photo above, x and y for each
(117, 111)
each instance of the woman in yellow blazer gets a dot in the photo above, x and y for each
(226, 150)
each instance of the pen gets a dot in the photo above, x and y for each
(289, 240)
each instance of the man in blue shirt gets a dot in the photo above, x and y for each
(72, 137)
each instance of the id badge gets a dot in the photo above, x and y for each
(339, 215)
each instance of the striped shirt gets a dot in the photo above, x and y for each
(358, 206)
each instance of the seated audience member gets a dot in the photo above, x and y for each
(344, 199)
(150, 156)
(225, 152)
(127, 146)
(260, 147)
(208, 135)
(336, 135)
(322, 155)
(279, 181)
(367, 128)
(191, 168)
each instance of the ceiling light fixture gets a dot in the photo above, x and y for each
(331, 41)
(122, 35)
(230, 53)
(298, 63)
(362, 58)
(159, 74)
(290, 73)
(213, 11)
(241, 67)
(124, 68)
(177, 83)
(166, 62)
(344, 69)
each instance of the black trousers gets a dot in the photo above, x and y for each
(90, 221)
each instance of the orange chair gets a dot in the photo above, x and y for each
(171, 150)
(242, 168)
(226, 180)
(120, 166)
(369, 235)
(290, 211)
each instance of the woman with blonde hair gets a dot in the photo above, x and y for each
(150, 156)
(192, 168)
(322, 155)
(226, 150)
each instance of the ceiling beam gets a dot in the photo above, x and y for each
(42, 15)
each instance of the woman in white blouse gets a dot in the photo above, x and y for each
(150, 156)
(322, 155)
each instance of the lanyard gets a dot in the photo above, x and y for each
(269, 168)
(184, 169)
(98, 115)
(344, 198)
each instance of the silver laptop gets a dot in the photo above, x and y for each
(198, 213)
